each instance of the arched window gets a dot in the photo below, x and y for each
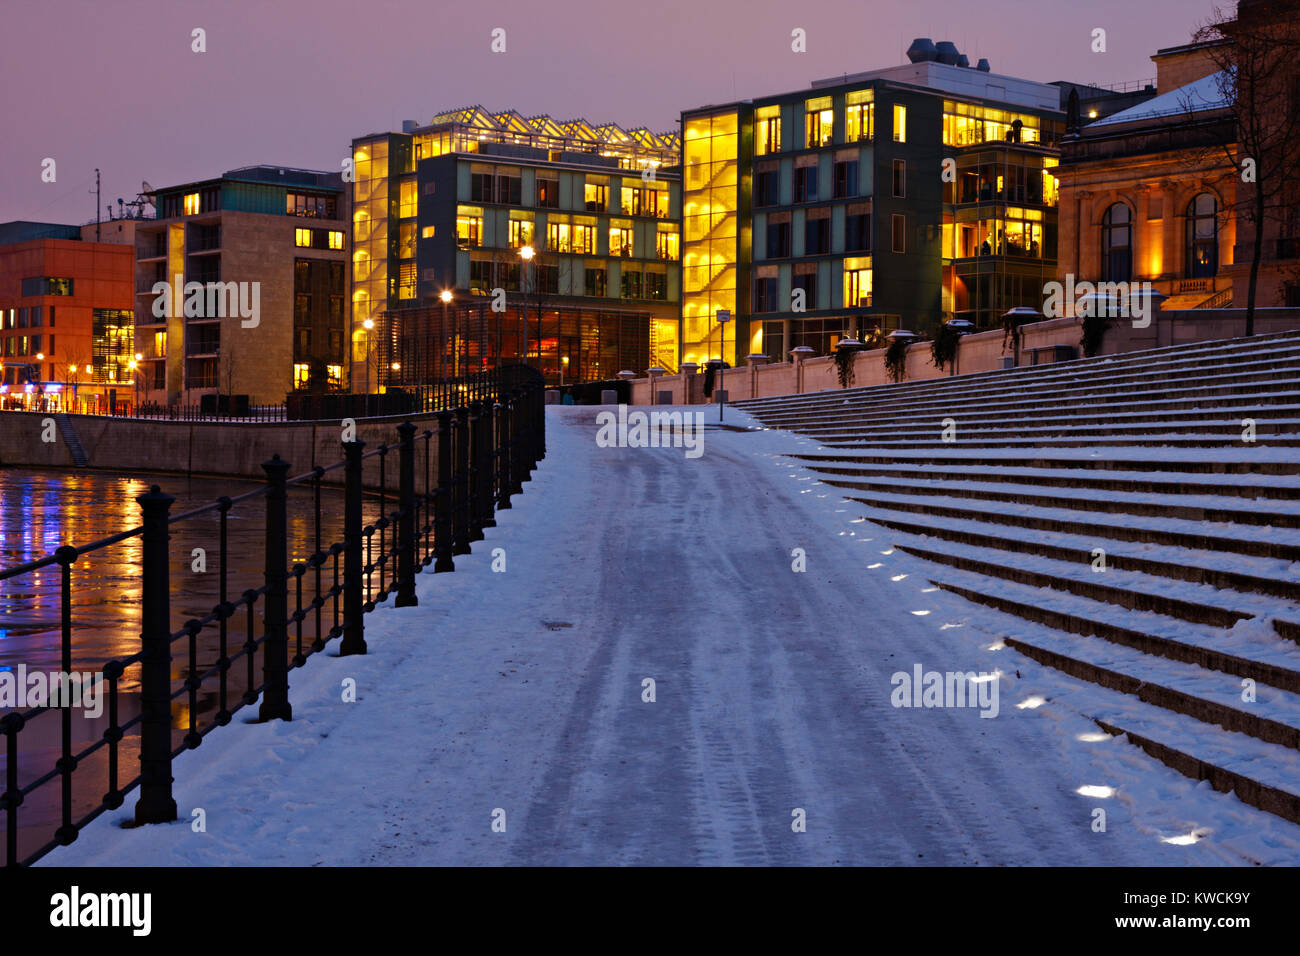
(1117, 244)
(1202, 237)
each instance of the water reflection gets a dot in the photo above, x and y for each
(40, 511)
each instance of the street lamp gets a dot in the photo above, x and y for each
(368, 325)
(529, 254)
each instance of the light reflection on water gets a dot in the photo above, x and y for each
(42, 510)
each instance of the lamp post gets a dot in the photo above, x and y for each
(446, 298)
(529, 254)
(369, 326)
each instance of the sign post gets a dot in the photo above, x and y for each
(724, 316)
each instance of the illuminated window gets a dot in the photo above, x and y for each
(857, 283)
(427, 232)
(300, 375)
(335, 374)
(191, 204)
(406, 281)
(408, 199)
(521, 233)
(596, 196)
(900, 124)
(666, 244)
(819, 122)
(302, 237)
(767, 130)
(620, 240)
(559, 236)
(160, 344)
(859, 116)
(336, 240)
(584, 239)
(469, 227)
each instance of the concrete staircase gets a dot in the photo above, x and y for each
(1131, 520)
(72, 440)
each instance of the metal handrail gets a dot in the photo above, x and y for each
(483, 448)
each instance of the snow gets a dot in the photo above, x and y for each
(772, 693)
(1199, 96)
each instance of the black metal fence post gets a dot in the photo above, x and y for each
(156, 804)
(354, 637)
(487, 464)
(518, 468)
(539, 419)
(504, 486)
(477, 471)
(406, 506)
(275, 649)
(442, 543)
(460, 516)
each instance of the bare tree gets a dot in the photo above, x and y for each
(1256, 54)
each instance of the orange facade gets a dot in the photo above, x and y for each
(55, 296)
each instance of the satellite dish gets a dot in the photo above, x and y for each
(145, 187)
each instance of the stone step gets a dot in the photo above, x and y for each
(1081, 523)
(1089, 619)
(1263, 785)
(1062, 390)
(1224, 408)
(1183, 464)
(1219, 578)
(1139, 484)
(1012, 492)
(1152, 362)
(1091, 587)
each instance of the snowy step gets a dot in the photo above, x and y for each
(1186, 507)
(1101, 399)
(1154, 430)
(1234, 572)
(1239, 461)
(1284, 488)
(1064, 390)
(1210, 696)
(1280, 543)
(1156, 363)
(1239, 652)
(1098, 407)
(1181, 440)
(1143, 593)
(1264, 781)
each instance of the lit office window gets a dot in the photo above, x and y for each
(819, 122)
(767, 130)
(302, 238)
(300, 375)
(859, 116)
(336, 240)
(900, 124)
(192, 204)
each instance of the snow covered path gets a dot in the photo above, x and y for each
(522, 691)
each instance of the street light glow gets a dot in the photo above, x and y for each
(526, 253)
(445, 296)
(368, 324)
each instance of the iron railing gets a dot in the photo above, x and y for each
(471, 464)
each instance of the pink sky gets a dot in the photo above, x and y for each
(114, 84)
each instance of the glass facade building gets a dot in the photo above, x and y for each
(512, 217)
(899, 198)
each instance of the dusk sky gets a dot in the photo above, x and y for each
(115, 84)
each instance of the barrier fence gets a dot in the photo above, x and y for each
(473, 462)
